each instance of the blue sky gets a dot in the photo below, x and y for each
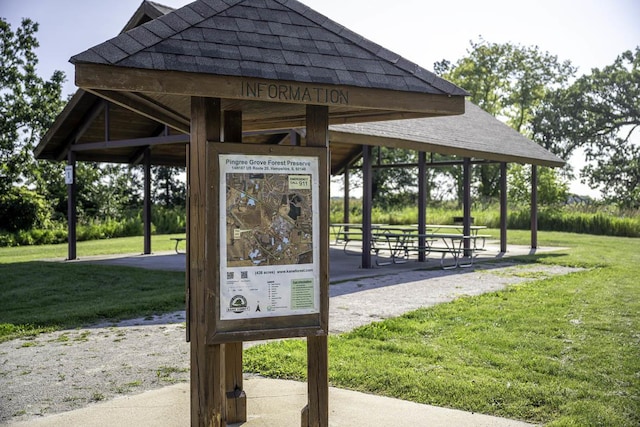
(589, 33)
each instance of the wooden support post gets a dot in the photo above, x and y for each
(232, 126)
(466, 204)
(316, 413)
(367, 205)
(235, 395)
(503, 207)
(71, 208)
(147, 201)
(422, 202)
(534, 207)
(208, 397)
(346, 202)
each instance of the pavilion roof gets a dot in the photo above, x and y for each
(260, 40)
(270, 39)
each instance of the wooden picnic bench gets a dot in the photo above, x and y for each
(401, 245)
(178, 240)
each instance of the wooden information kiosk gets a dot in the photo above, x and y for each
(280, 289)
(227, 73)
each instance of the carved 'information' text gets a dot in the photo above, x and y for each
(287, 92)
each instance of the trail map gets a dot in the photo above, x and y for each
(269, 219)
(269, 229)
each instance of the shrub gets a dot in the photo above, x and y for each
(22, 209)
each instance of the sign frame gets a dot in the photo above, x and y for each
(221, 327)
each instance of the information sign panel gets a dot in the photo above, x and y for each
(271, 265)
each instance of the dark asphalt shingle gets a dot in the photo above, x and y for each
(271, 39)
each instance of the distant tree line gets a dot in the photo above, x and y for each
(544, 99)
(532, 91)
(33, 193)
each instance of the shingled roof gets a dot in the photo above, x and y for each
(475, 134)
(81, 126)
(270, 39)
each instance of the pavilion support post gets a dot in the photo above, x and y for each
(71, 207)
(466, 204)
(235, 395)
(367, 204)
(503, 207)
(316, 413)
(208, 397)
(346, 201)
(534, 207)
(422, 203)
(146, 214)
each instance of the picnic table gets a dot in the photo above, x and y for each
(399, 241)
(347, 232)
(178, 240)
(474, 231)
(400, 245)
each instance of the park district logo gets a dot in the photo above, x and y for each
(238, 304)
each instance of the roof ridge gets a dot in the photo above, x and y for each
(378, 50)
(190, 14)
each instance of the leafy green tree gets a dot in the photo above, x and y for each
(168, 189)
(601, 113)
(508, 81)
(28, 103)
(553, 189)
(28, 106)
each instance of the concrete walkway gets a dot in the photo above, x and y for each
(271, 403)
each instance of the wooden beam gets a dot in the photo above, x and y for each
(316, 413)
(236, 398)
(367, 205)
(504, 213)
(147, 201)
(534, 207)
(128, 143)
(346, 200)
(422, 202)
(466, 205)
(208, 404)
(71, 209)
(232, 126)
(146, 107)
(86, 122)
(108, 77)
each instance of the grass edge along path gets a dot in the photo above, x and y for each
(564, 351)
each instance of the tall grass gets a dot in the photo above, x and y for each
(163, 221)
(549, 219)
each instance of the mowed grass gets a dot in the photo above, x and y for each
(563, 351)
(37, 296)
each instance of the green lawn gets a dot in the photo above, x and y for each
(563, 351)
(37, 296)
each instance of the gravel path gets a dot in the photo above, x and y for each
(66, 370)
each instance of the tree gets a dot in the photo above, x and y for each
(28, 103)
(553, 190)
(28, 106)
(510, 82)
(601, 113)
(168, 189)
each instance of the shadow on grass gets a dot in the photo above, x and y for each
(58, 295)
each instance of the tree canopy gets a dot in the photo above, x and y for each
(510, 82)
(28, 103)
(599, 112)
